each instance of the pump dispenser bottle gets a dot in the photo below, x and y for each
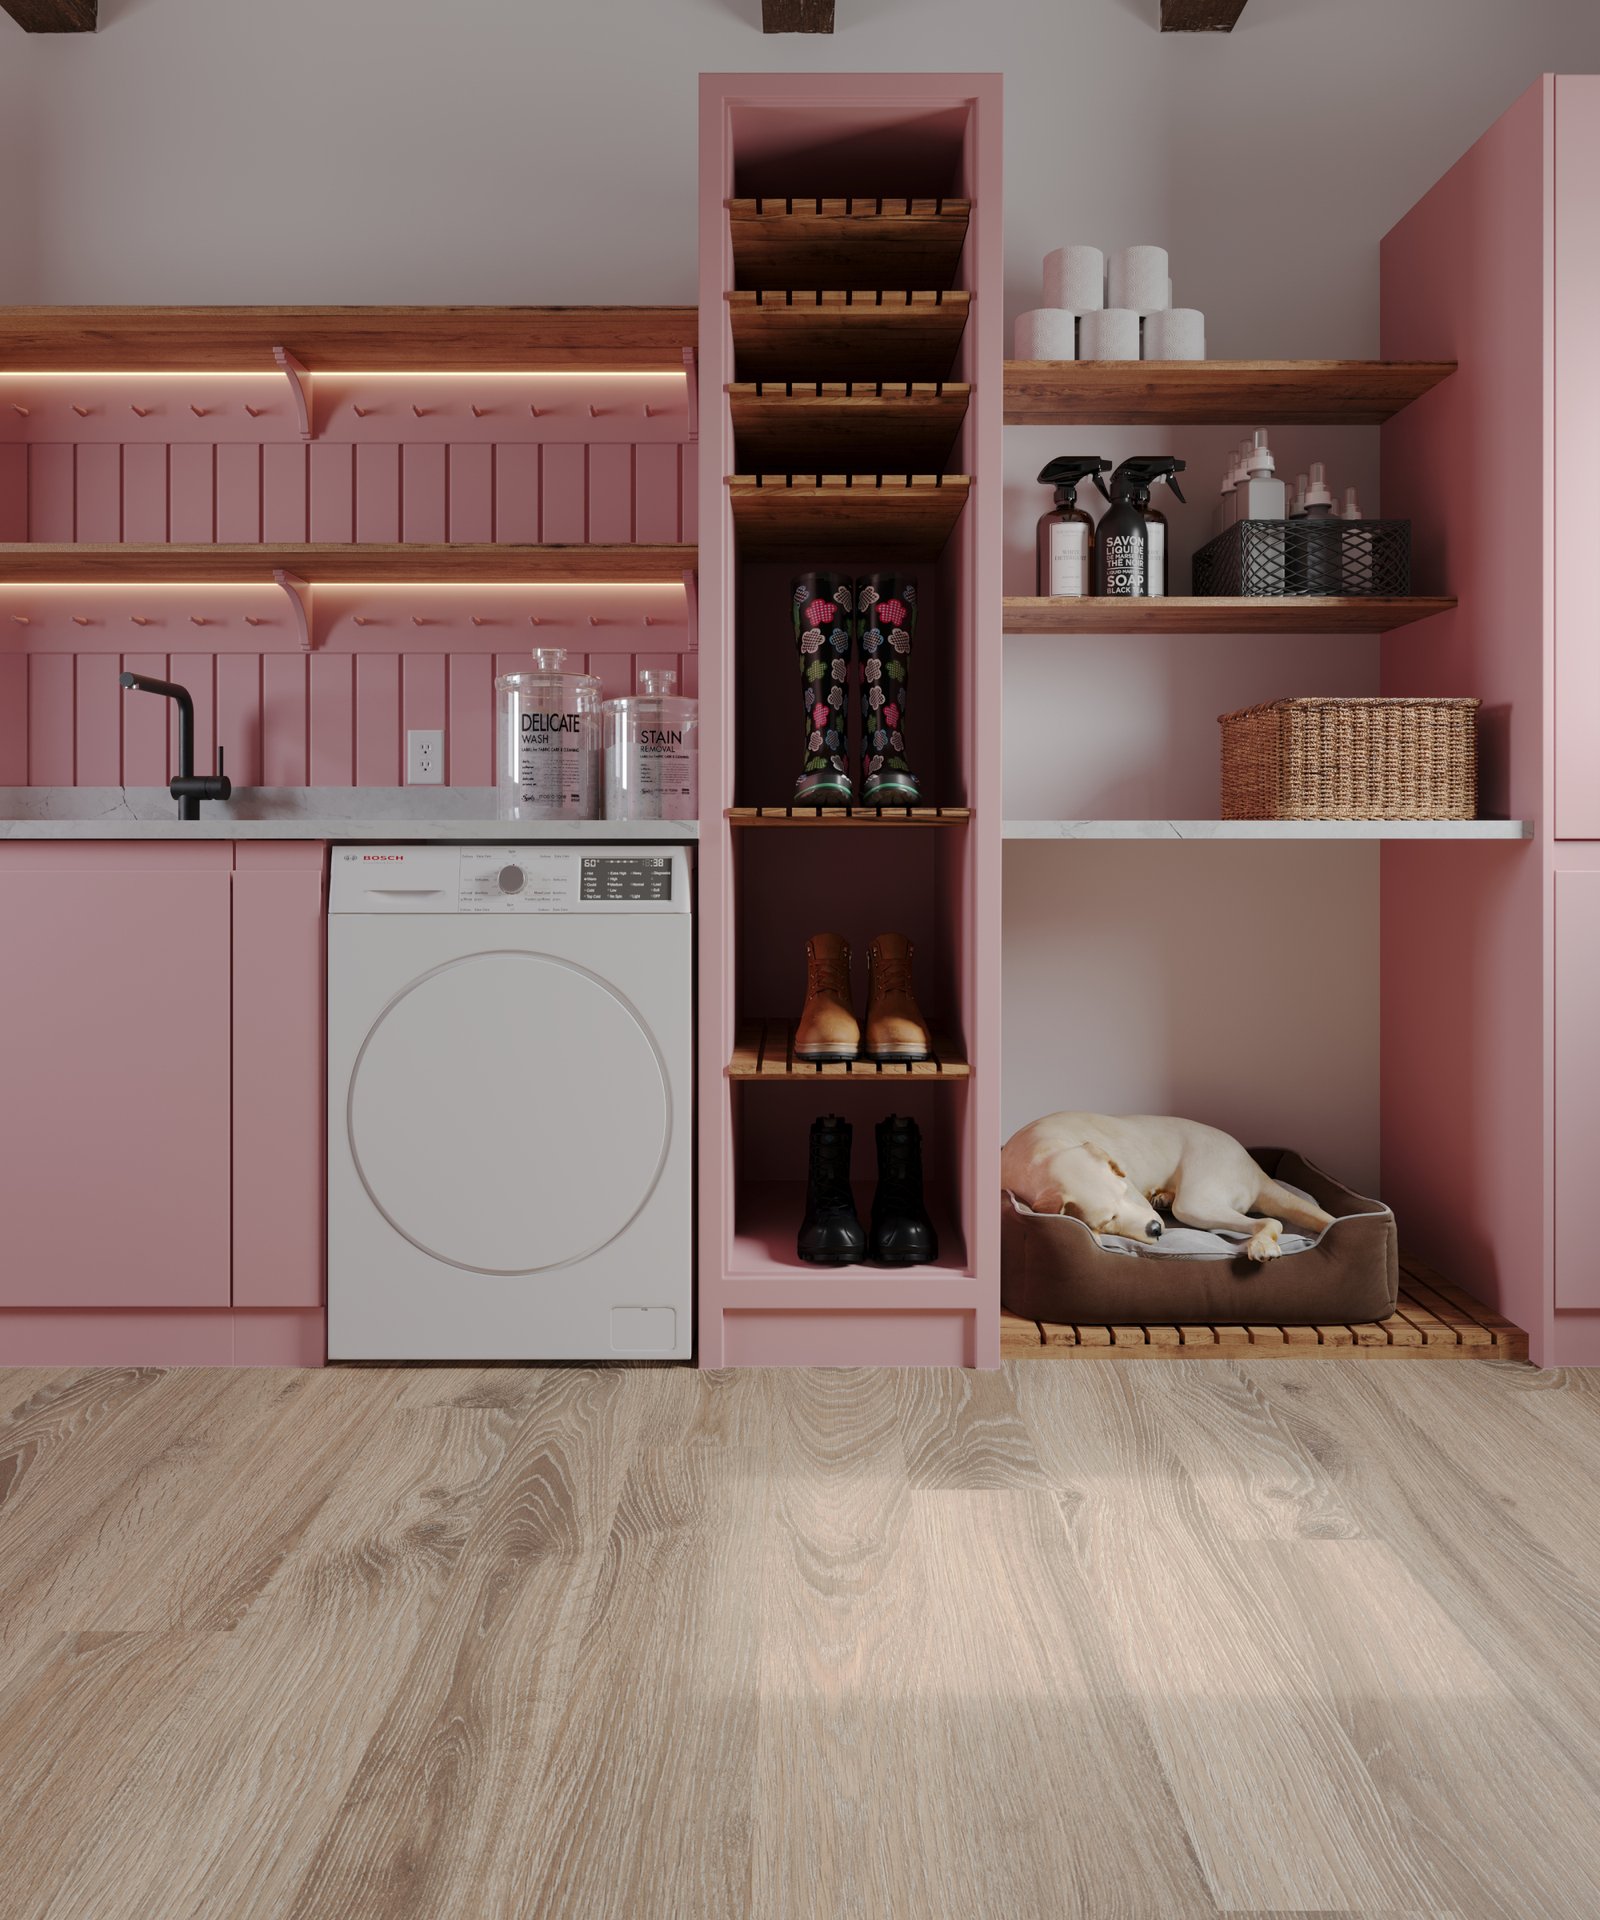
(1066, 532)
(1355, 549)
(1122, 563)
(1324, 574)
(1262, 496)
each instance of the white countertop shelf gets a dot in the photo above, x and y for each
(510, 833)
(1268, 830)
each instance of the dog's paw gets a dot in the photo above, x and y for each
(1263, 1245)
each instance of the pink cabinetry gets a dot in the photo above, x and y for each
(161, 1088)
(1577, 1058)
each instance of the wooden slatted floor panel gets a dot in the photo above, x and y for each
(848, 816)
(1434, 1321)
(764, 1050)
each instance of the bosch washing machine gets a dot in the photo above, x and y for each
(510, 1103)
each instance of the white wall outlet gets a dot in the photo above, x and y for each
(425, 757)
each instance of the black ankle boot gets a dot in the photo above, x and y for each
(830, 1234)
(902, 1233)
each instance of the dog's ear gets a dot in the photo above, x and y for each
(1101, 1153)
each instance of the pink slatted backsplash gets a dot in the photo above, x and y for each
(338, 716)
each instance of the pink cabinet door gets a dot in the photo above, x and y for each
(279, 1102)
(114, 1075)
(1577, 489)
(1577, 1087)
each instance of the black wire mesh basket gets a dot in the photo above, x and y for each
(1284, 558)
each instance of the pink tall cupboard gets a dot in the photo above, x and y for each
(1491, 963)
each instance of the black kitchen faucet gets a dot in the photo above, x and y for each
(186, 787)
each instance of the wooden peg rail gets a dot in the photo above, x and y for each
(764, 1050)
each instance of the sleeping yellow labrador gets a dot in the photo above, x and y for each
(1112, 1174)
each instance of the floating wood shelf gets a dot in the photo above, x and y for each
(1434, 1321)
(778, 424)
(1364, 613)
(855, 243)
(1267, 830)
(846, 335)
(1348, 393)
(764, 1050)
(907, 516)
(39, 563)
(346, 339)
(848, 816)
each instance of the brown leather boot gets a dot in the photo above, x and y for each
(828, 1028)
(896, 1029)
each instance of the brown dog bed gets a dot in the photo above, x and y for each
(1053, 1268)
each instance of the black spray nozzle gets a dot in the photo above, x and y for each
(1136, 476)
(1068, 470)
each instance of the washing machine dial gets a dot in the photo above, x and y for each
(512, 879)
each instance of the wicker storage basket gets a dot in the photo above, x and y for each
(1355, 759)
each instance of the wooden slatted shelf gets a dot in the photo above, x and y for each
(847, 515)
(1350, 393)
(855, 243)
(790, 424)
(1434, 1321)
(344, 339)
(42, 562)
(764, 1050)
(842, 334)
(848, 816)
(1303, 613)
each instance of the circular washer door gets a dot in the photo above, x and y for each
(509, 1112)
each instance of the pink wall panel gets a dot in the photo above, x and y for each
(144, 494)
(471, 483)
(99, 492)
(239, 493)
(563, 481)
(423, 493)
(13, 719)
(285, 719)
(99, 720)
(238, 717)
(13, 491)
(52, 707)
(192, 492)
(377, 493)
(655, 494)
(378, 720)
(689, 491)
(422, 692)
(145, 726)
(333, 720)
(469, 744)
(516, 494)
(51, 484)
(285, 493)
(610, 493)
(333, 492)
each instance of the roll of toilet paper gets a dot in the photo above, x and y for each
(1137, 277)
(1177, 334)
(1048, 333)
(1075, 277)
(1110, 334)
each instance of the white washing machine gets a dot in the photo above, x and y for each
(510, 1103)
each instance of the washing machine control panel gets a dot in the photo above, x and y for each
(515, 879)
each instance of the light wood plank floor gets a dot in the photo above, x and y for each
(1125, 1642)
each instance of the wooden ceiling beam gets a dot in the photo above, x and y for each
(53, 16)
(797, 16)
(1200, 16)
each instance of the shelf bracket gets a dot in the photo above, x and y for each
(692, 376)
(299, 379)
(299, 594)
(691, 594)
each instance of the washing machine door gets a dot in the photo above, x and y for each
(509, 1113)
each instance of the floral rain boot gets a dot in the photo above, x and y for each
(820, 608)
(886, 618)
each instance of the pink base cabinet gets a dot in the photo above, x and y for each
(1491, 964)
(161, 1083)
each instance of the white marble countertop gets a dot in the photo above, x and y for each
(1268, 830)
(367, 814)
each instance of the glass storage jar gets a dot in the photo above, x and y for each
(549, 741)
(652, 751)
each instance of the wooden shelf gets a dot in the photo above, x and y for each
(846, 335)
(906, 516)
(764, 1050)
(855, 243)
(846, 423)
(1347, 393)
(39, 563)
(848, 816)
(1365, 613)
(1267, 830)
(1433, 1321)
(345, 339)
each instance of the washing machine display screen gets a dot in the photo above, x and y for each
(626, 877)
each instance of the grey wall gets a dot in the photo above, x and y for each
(371, 150)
